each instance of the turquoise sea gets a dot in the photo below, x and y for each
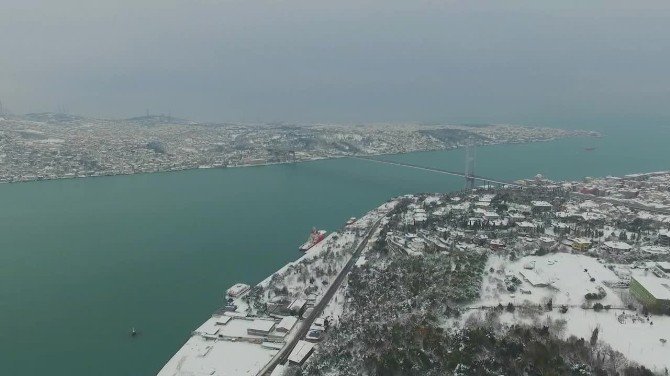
(83, 261)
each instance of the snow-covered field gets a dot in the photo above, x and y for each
(635, 336)
(637, 339)
(568, 277)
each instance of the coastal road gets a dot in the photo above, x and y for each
(304, 325)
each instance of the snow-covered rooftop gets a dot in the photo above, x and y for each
(301, 351)
(658, 287)
(287, 323)
(618, 245)
(532, 277)
(261, 325)
(525, 224)
(199, 357)
(238, 289)
(209, 328)
(655, 249)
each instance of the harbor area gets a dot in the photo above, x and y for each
(278, 322)
(231, 345)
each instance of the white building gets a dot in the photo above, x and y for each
(526, 226)
(491, 216)
(286, 324)
(297, 306)
(260, 327)
(301, 352)
(541, 205)
(617, 246)
(237, 290)
(516, 217)
(533, 278)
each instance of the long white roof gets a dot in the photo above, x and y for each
(262, 325)
(200, 357)
(300, 351)
(618, 245)
(533, 278)
(287, 323)
(658, 287)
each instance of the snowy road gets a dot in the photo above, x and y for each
(304, 325)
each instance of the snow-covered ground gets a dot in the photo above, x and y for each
(335, 308)
(633, 336)
(324, 261)
(343, 239)
(626, 331)
(568, 277)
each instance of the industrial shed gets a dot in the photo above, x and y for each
(653, 292)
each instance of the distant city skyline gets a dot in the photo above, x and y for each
(347, 61)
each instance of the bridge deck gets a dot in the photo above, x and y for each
(581, 196)
(439, 170)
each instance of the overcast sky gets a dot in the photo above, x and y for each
(338, 61)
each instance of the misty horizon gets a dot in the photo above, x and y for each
(554, 64)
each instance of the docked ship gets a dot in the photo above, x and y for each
(315, 237)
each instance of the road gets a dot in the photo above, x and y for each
(439, 170)
(304, 325)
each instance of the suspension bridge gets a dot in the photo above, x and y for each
(468, 174)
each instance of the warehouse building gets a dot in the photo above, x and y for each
(653, 292)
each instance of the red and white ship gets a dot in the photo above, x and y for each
(315, 237)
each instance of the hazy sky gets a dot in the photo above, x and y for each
(343, 60)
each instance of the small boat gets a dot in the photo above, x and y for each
(590, 148)
(133, 332)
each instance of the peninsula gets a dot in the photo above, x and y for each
(541, 277)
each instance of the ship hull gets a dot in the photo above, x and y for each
(315, 239)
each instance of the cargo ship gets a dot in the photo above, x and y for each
(315, 237)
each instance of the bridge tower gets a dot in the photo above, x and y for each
(470, 166)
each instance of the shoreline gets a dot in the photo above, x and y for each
(200, 338)
(247, 165)
(347, 236)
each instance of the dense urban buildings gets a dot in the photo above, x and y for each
(52, 146)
